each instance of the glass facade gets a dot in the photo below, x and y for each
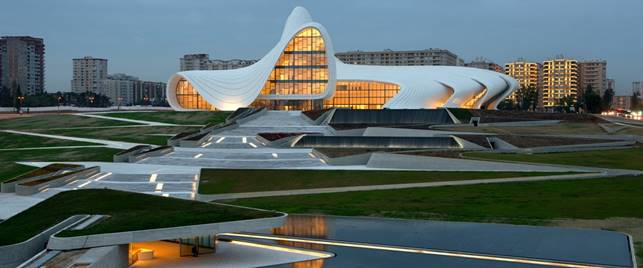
(188, 98)
(472, 102)
(302, 68)
(361, 94)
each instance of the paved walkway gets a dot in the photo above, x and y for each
(52, 147)
(12, 204)
(151, 123)
(213, 197)
(107, 143)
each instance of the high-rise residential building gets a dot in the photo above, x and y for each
(482, 63)
(88, 74)
(622, 102)
(528, 74)
(432, 56)
(593, 73)
(22, 61)
(119, 88)
(560, 80)
(192, 62)
(147, 92)
(637, 87)
(611, 84)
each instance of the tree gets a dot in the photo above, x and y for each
(606, 101)
(527, 98)
(567, 103)
(6, 100)
(506, 104)
(591, 101)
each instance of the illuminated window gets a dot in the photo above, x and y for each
(302, 68)
(189, 98)
(361, 94)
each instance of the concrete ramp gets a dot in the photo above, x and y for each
(413, 162)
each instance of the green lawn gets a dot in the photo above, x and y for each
(182, 118)
(522, 203)
(9, 169)
(218, 181)
(142, 134)
(625, 159)
(57, 121)
(128, 211)
(11, 141)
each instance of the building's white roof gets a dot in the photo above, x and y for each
(420, 86)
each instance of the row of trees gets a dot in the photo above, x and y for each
(15, 98)
(590, 101)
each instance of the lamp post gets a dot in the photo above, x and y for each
(60, 98)
(120, 99)
(21, 100)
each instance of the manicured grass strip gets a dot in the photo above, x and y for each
(183, 118)
(46, 121)
(218, 181)
(128, 212)
(625, 159)
(11, 140)
(127, 134)
(523, 203)
(9, 169)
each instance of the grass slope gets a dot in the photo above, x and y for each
(183, 118)
(525, 203)
(141, 134)
(127, 211)
(48, 121)
(9, 169)
(11, 141)
(218, 181)
(625, 159)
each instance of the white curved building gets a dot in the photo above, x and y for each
(302, 73)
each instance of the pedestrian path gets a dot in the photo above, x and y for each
(107, 143)
(151, 123)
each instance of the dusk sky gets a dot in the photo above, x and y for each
(146, 38)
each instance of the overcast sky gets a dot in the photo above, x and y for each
(146, 38)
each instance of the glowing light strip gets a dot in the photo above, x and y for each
(84, 184)
(275, 155)
(153, 178)
(284, 249)
(253, 145)
(415, 250)
(220, 140)
(159, 186)
(311, 155)
(244, 139)
(206, 145)
(196, 177)
(197, 156)
(211, 137)
(165, 195)
(322, 160)
(104, 176)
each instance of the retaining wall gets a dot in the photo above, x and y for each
(15, 254)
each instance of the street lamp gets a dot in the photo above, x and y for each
(120, 99)
(60, 98)
(21, 100)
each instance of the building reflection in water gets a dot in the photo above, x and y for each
(304, 226)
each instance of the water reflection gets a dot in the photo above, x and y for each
(304, 226)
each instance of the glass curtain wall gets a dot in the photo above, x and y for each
(189, 98)
(302, 68)
(361, 94)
